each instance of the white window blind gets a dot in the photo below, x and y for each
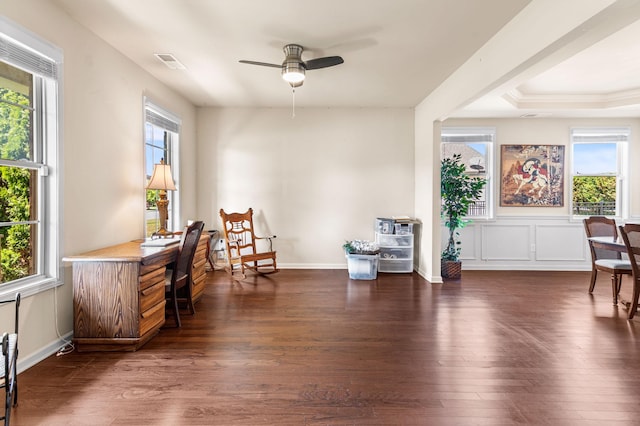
(26, 51)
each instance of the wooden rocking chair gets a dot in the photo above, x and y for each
(241, 246)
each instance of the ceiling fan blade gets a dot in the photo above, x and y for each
(264, 64)
(329, 61)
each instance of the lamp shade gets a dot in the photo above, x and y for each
(161, 178)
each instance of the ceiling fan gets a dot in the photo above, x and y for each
(293, 68)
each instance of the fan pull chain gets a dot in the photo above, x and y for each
(293, 110)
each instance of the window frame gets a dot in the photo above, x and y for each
(476, 135)
(172, 124)
(22, 49)
(621, 136)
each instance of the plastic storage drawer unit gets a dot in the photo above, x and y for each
(396, 252)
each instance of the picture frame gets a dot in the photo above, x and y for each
(532, 175)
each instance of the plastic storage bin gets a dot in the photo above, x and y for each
(385, 226)
(403, 228)
(362, 266)
(396, 252)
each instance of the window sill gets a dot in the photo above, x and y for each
(28, 286)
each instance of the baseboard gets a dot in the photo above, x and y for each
(525, 267)
(24, 363)
(312, 265)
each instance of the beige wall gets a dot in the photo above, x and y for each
(102, 150)
(314, 180)
(553, 131)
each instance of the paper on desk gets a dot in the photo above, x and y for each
(160, 242)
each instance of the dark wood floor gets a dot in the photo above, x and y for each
(314, 348)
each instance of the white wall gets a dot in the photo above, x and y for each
(314, 180)
(537, 238)
(102, 146)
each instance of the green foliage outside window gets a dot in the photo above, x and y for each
(152, 198)
(594, 195)
(594, 189)
(15, 186)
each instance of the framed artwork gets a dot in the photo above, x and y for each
(532, 175)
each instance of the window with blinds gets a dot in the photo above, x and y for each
(161, 130)
(475, 145)
(599, 183)
(29, 162)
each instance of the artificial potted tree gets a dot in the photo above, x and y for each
(458, 190)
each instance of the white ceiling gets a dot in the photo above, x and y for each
(601, 81)
(395, 51)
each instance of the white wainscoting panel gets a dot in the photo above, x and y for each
(551, 243)
(506, 242)
(560, 242)
(470, 248)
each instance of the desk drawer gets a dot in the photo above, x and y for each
(152, 318)
(199, 272)
(198, 287)
(152, 278)
(201, 249)
(152, 300)
(151, 296)
(199, 267)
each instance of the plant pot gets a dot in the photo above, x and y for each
(451, 269)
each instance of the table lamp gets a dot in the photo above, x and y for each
(163, 182)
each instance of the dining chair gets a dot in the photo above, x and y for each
(608, 261)
(9, 363)
(631, 236)
(179, 276)
(242, 251)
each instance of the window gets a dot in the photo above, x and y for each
(29, 162)
(475, 145)
(161, 130)
(598, 178)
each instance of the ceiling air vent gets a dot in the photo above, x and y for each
(170, 61)
(536, 115)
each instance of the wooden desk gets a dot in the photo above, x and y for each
(118, 294)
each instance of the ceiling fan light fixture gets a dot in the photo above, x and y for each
(293, 72)
(293, 69)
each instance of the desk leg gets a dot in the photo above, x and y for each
(212, 234)
(209, 254)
